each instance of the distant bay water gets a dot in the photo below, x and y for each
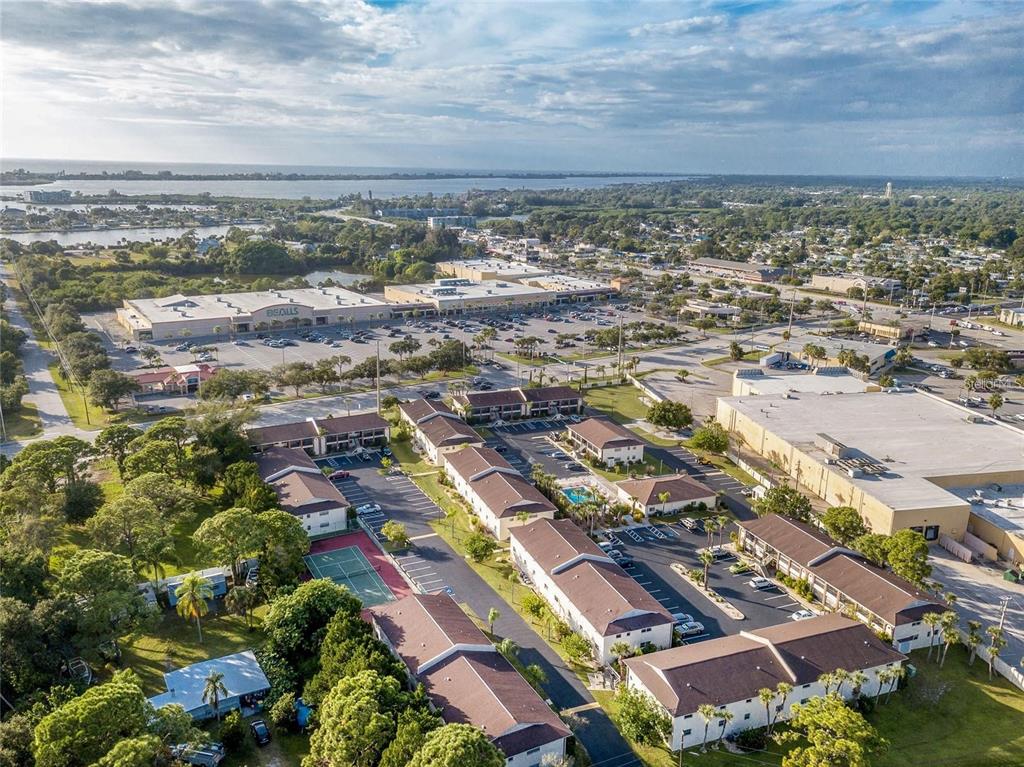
(381, 188)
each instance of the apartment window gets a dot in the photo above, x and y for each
(802, 701)
(688, 716)
(806, 686)
(746, 715)
(324, 524)
(617, 636)
(325, 513)
(644, 631)
(686, 732)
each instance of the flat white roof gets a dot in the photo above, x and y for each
(804, 382)
(833, 346)
(507, 269)
(566, 283)
(459, 290)
(178, 307)
(918, 437)
(1002, 505)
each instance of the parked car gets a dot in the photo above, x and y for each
(260, 732)
(573, 467)
(203, 755)
(760, 583)
(739, 568)
(607, 545)
(692, 524)
(802, 615)
(718, 552)
(695, 628)
(368, 508)
(681, 618)
(386, 452)
(339, 474)
(131, 349)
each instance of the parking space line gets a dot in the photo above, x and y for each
(786, 606)
(779, 596)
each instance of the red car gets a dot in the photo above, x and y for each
(339, 474)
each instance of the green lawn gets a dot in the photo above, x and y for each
(22, 423)
(91, 417)
(948, 717)
(173, 643)
(620, 403)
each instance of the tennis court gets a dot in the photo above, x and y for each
(350, 568)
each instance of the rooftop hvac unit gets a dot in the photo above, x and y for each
(855, 473)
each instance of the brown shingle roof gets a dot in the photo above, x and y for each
(418, 408)
(888, 596)
(604, 433)
(445, 431)
(680, 488)
(468, 681)
(301, 487)
(492, 398)
(345, 424)
(502, 488)
(284, 432)
(733, 668)
(597, 587)
(550, 394)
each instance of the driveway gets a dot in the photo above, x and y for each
(980, 592)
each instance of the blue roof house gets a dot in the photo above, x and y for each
(245, 681)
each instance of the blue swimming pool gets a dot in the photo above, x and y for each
(578, 494)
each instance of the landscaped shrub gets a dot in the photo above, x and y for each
(232, 730)
(752, 740)
(282, 713)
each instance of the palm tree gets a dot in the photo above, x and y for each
(932, 620)
(513, 579)
(782, 690)
(710, 526)
(621, 650)
(192, 596)
(826, 680)
(242, 600)
(535, 675)
(706, 559)
(950, 636)
(973, 640)
(766, 696)
(721, 522)
(857, 680)
(896, 673)
(492, 616)
(708, 712)
(663, 498)
(508, 647)
(996, 643)
(841, 677)
(724, 717)
(342, 361)
(214, 690)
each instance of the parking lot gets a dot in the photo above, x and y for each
(654, 548)
(250, 353)
(401, 500)
(526, 443)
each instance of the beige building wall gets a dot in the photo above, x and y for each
(836, 489)
(1009, 545)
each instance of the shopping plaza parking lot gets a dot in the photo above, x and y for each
(249, 352)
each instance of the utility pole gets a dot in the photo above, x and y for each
(789, 333)
(378, 377)
(619, 360)
(1002, 613)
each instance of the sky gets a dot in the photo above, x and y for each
(718, 86)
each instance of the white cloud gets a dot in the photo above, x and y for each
(580, 84)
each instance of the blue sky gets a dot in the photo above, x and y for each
(899, 88)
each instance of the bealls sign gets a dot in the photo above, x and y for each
(285, 311)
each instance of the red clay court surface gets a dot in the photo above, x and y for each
(380, 561)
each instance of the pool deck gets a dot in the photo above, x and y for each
(380, 561)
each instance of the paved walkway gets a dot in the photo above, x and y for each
(53, 416)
